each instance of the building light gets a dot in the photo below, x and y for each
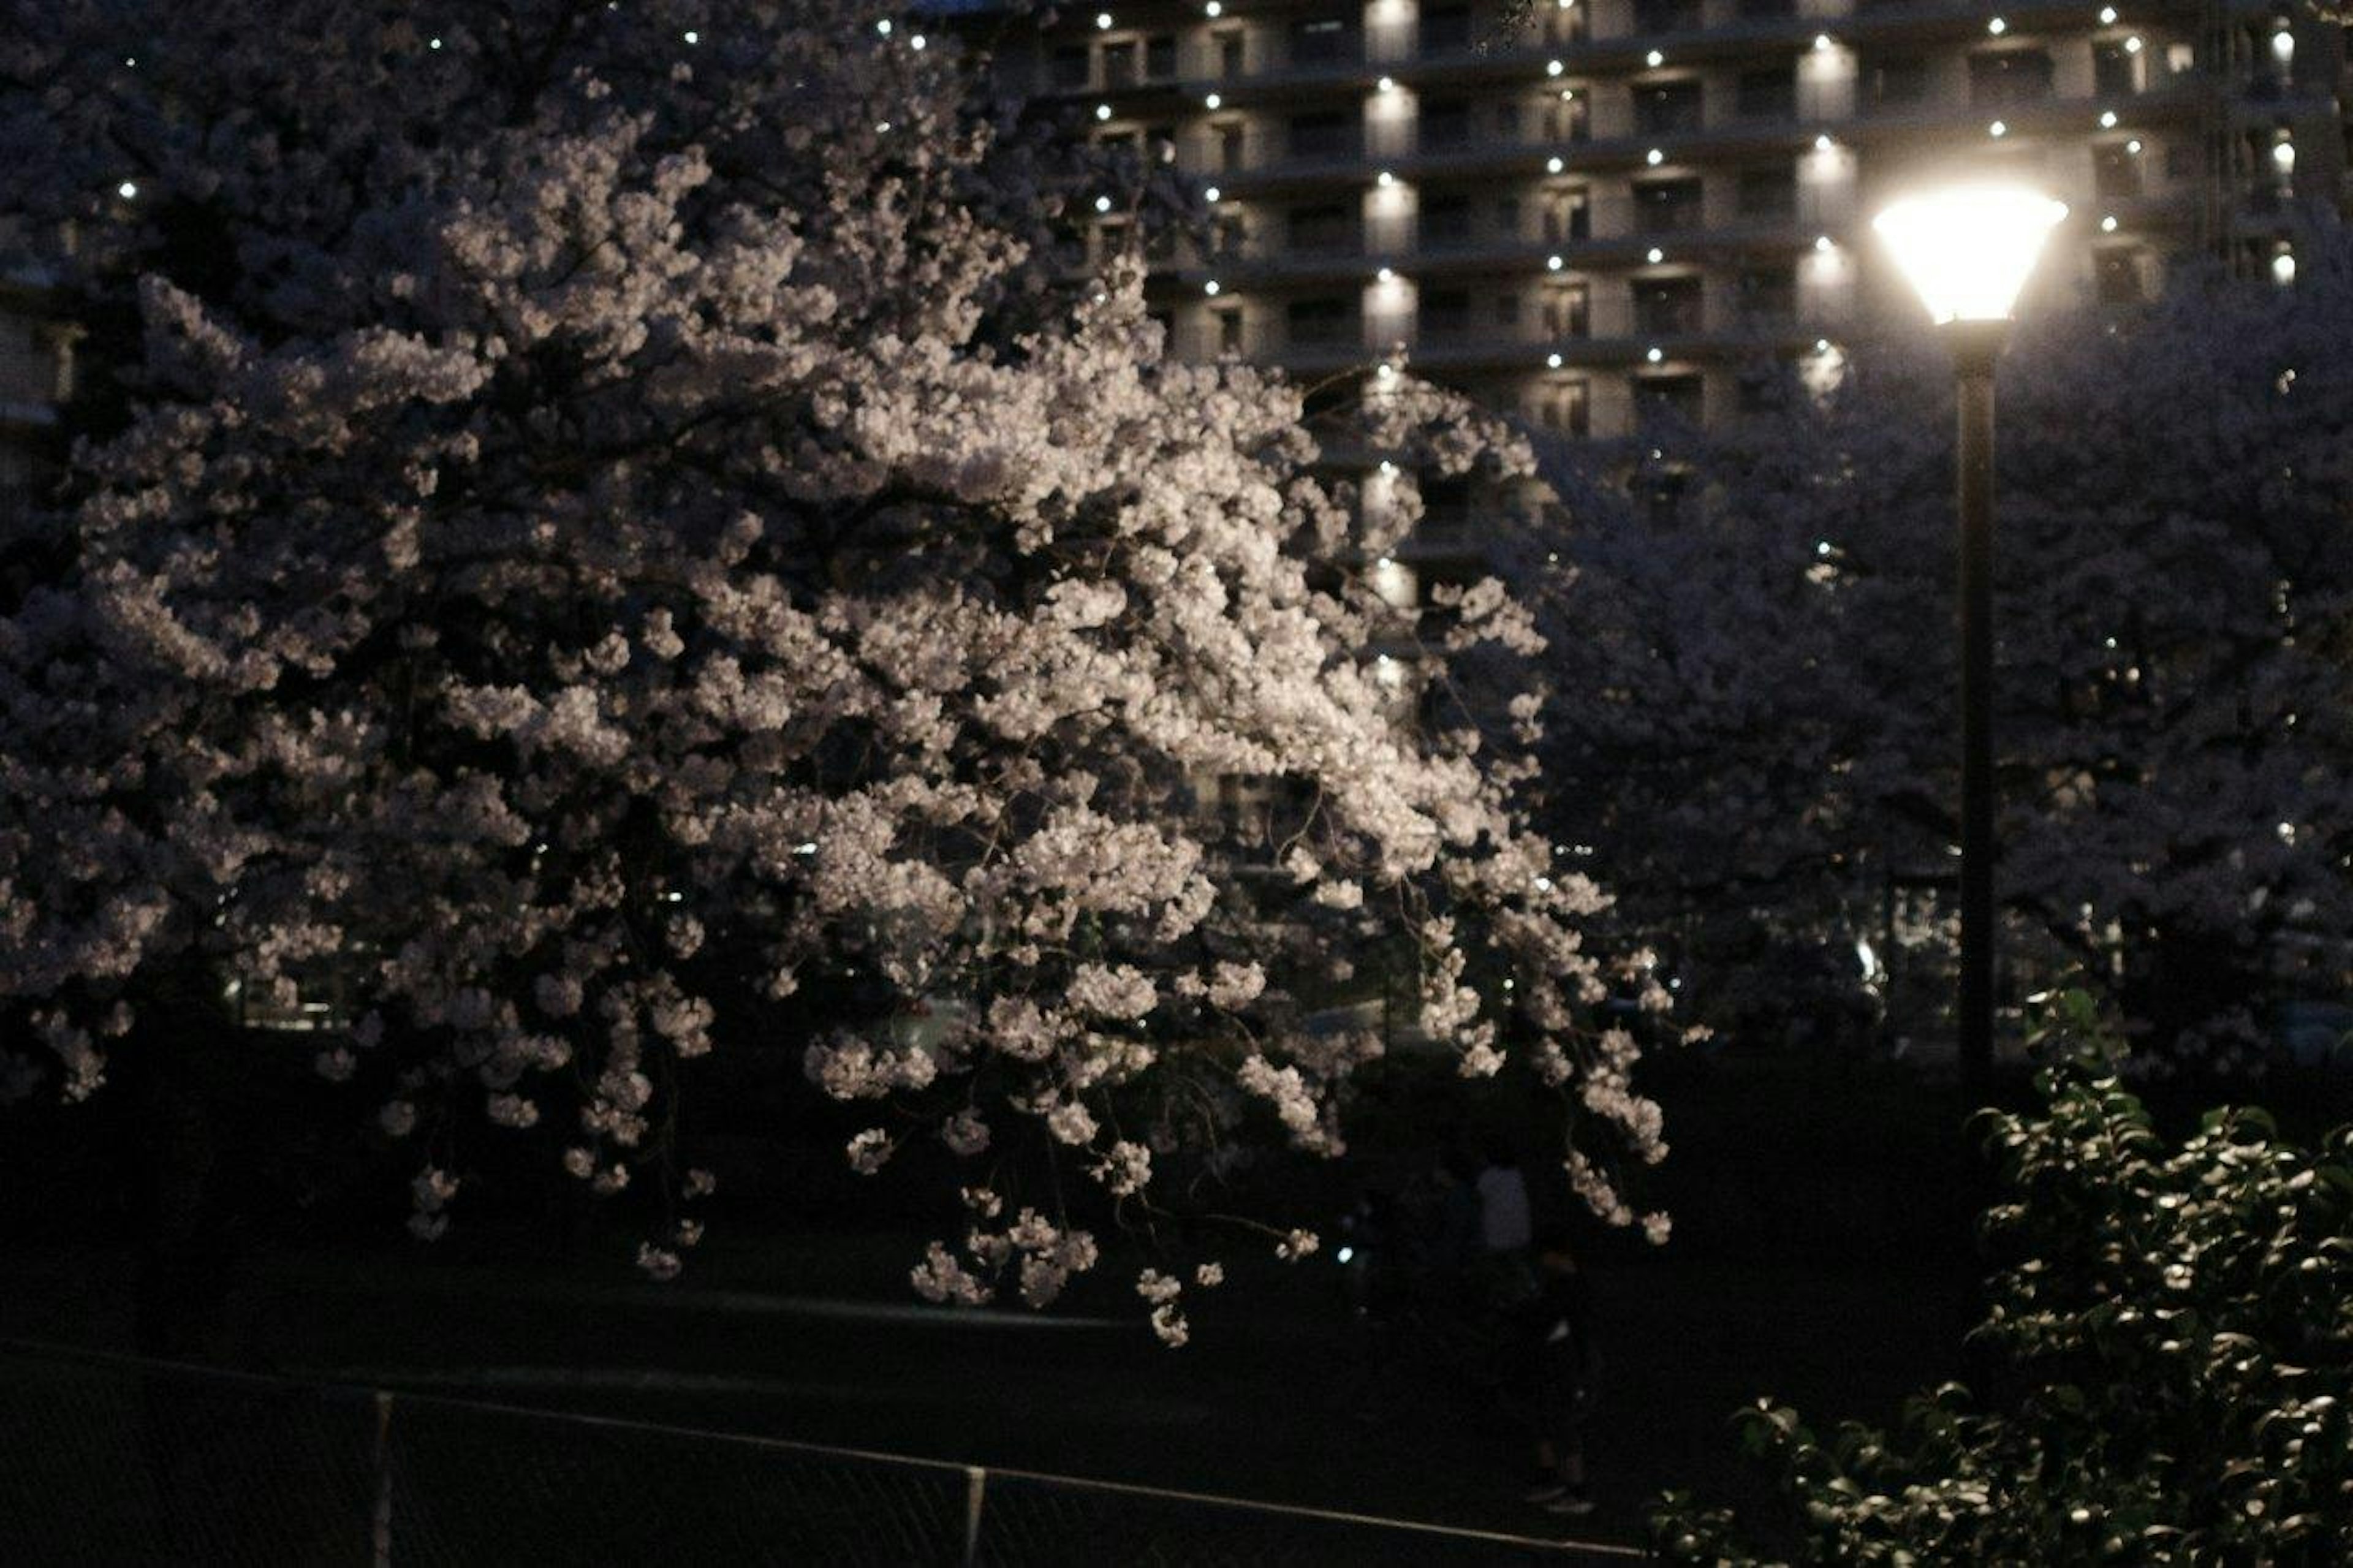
(1823, 242)
(1210, 287)
(2107, 15)
(1214, 9)
(1103, 20)
(1551, 362)
(1102, 111)
(1102, 204)
(916, 42)
(1214, 101)
(2107, 120)
(2283, 44)
(2283, 154)
(126, 189)
(2133, 146)
(1384, 179)
(1554, 68)
(1822, 345)
(1653, 355)
(1387, 371)
(1387, 275)
(2132, 44)
(1996, 26)
(1387, 84)
(693, 36)
(1552, 263)
(1211, 194)
(429, 43)
(2283, 268)
(1998, 129)
(1654, 157)
(1655, 256)
(1822, 43)
(2108, 223)
(1553, 165)
(1654, 60)
(1388, 469)
(1824, 143)
(884, 26)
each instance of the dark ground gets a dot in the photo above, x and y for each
(1822, 1256)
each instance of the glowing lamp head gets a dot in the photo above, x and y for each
(1968, 250)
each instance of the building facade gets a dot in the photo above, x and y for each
(1572, 208)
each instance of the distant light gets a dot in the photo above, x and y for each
(2132, 44)
(2107, 15)
(2283, 154)
(2283, 269)
(1214, 8)
(1384, 179)
(1822, 345)
(691, 36)
(1213, 194)
(1823, 41)
(1103, 20)
(126, 189)
(1209, 288)
(1554, 68)
(1998, 129)
(1344, 1254)
(1388, 371)
(1654, 60)
(1822, 242)
(1214, 101)
(432, 43)
(1102, 204)
(1821, 547)
(131, 60)
(2107, 120)
(1553, 165)
(1387, 84)
(1654, 157)
(1551, 362)
(1653, 355)
(1388, 469)
(916, 42)
(1102, 111)
(1552, 263)
(1824, 143)
(1655, 256)
(1386, 275)
(2133, 146)
(2108, 223)
(1996, 26)
(884, 26)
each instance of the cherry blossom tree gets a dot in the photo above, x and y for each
(1765, 613)
(616, 529)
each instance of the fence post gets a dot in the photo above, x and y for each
(380, 1525)
(976, 1487)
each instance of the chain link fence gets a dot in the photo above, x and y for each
(114, 1460)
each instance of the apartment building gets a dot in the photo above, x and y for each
(1574, 208)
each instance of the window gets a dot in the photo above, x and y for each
(1667, 107)
(1667, 305)
(1119, 65)
(1566, 311)
(1321, 322)
(1507, 217)
(1507, 310)
(1564, 406)
(1899, 82)
(1230, 57)
(1446, 123)
(1232, 153)
(1445, 312)
(1322, 40)
(1446, 222)
(2115, 71)
(1769, 194)
(1323, 229)
(1677, 397)
(1666, 15)
(2114, 171)
(1568, 216)
(1160, 57)
(2003, 77)
(1335, 134)
(1508, 120)
(1229, 331)
(1667, 206)
(1767, 293)
(1565, 120)
(1445, 28)
(1760, 9)
(2118, 276)
(1769, 94)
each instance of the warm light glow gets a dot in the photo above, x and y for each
(1968, 250)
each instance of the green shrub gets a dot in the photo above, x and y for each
(2170, 1329)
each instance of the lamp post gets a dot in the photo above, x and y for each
(1969, 251)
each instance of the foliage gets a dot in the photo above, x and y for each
(615, 529)
(2173, 1328)
(1765, 611)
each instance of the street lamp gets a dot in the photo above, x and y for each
(1969, 251)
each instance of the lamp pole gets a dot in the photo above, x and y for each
(1975, 345)
(1969, 251)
